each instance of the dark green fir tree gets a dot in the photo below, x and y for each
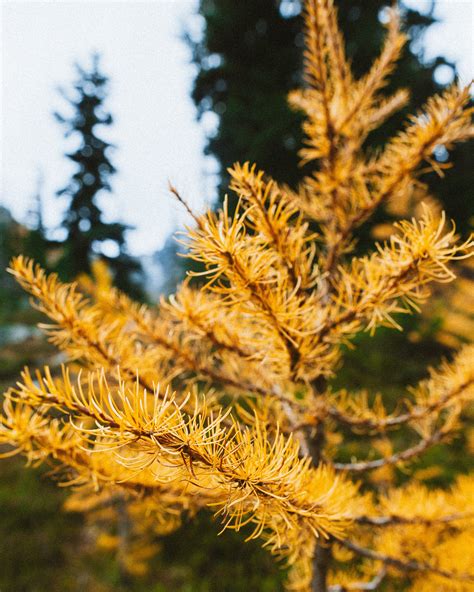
(88, 234)
(248, 58)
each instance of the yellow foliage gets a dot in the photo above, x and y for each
(218, 397)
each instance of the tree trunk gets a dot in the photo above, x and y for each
(321, 560)
(124, 528)
(322, 554)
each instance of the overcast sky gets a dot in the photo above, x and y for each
(155, 128)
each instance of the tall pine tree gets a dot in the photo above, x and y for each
(88, 234)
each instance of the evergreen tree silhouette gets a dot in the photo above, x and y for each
(36, 244)
(87, 231)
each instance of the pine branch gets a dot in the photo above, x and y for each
(445, 121)
(317, 76)
(248, 268)
(76, 328)
(253, 474)
(278, 221)
(198, 312)
(372, 287)
(340, 69)
(375, 80)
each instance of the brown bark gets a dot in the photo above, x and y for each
(316, 440)
(124, 527)
(322, 557)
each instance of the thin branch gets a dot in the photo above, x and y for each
(393, 520)
(187, 358)
(71, 323)
(356, 311)
(406, 169)
(360, 586)
(402, 456)
(382, 424)
(211, 335)
(276, 239)
(402, 564)
(262, 303)
(184, 203)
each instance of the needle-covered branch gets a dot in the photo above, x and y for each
(245, 273)
(78, 327)
(445, 120)
(274, 217)
(416, 505)
(254, 478)
(395, 278)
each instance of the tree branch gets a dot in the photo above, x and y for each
(417, 412)
(359, 586)
(392, 520)
(401, 564)
(401, 456)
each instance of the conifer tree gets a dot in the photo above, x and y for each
(248, 58)
(222, 397)
(36, 243)
(86, 229)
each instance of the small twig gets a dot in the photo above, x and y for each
(396, 420)
(401, 564)
(391, 520)
(360, 586)
(184, 203)
(404, 455)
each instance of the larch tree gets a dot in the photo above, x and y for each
(249, 55)
(220, 398)
(86, 230)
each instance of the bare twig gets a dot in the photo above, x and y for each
(392, 520)
(360, 586)
(184, 203)
(382, 424)
(402, 564)
(401, 456)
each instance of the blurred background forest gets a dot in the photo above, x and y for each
(246, 57)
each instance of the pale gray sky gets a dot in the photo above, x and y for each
(155, 128)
